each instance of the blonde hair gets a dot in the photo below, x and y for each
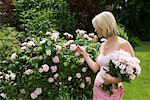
(106, 21)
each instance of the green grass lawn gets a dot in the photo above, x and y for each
(139, 89)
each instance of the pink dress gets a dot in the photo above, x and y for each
(99, 94)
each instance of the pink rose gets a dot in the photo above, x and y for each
(3, 95)
(54, 69)
(68, 43)
(50, 80)
(78, 75)
(69, 78)
(34, 95)
(88, 79)
(84, 69)
(45, 68)
(55, 36)
(55, 59)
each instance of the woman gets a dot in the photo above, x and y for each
(105, 26)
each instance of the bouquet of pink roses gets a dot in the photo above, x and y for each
(123, 66)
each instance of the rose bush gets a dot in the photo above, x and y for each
(49, 67)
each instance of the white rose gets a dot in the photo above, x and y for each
(48, 33)
(91, 35)
(58, 47)
(122, 72)
(30, 44)
(12, 76)
(136, 59)
(40, 70)
(22, 91)
(9, 71)
(28, 72)
(82, 60)
(68, 43)
(122, 67)
(129, 70)
(7, 77)
(24, 48)
(38, 91)
(24, 44)
(70, 36)
(69, 78)
(43, 41)
(90, 39)
(132, 76)
(77, 31)
(86, 36)
(48, 52)
(82, 32)
(138, 70)
(82, 85)
(13, 57)
(54, 36)
(65, 33)
(1, 77)
(56, 75)
(73, 47)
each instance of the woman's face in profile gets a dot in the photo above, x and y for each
(99, 32)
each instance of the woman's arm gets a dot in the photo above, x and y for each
(111, 80)
(93, 65)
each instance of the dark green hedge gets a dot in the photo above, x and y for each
(40, 15)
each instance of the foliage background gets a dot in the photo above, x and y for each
(40, 15)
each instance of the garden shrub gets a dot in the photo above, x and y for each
(9, 38)
(49, 67)
(122, 32)
(40, 15)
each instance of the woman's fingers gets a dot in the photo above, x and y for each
(79, 48)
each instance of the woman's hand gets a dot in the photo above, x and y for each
(93, 65)
(82, 51)
(109, 79)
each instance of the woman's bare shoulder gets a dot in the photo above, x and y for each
(125, 45)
